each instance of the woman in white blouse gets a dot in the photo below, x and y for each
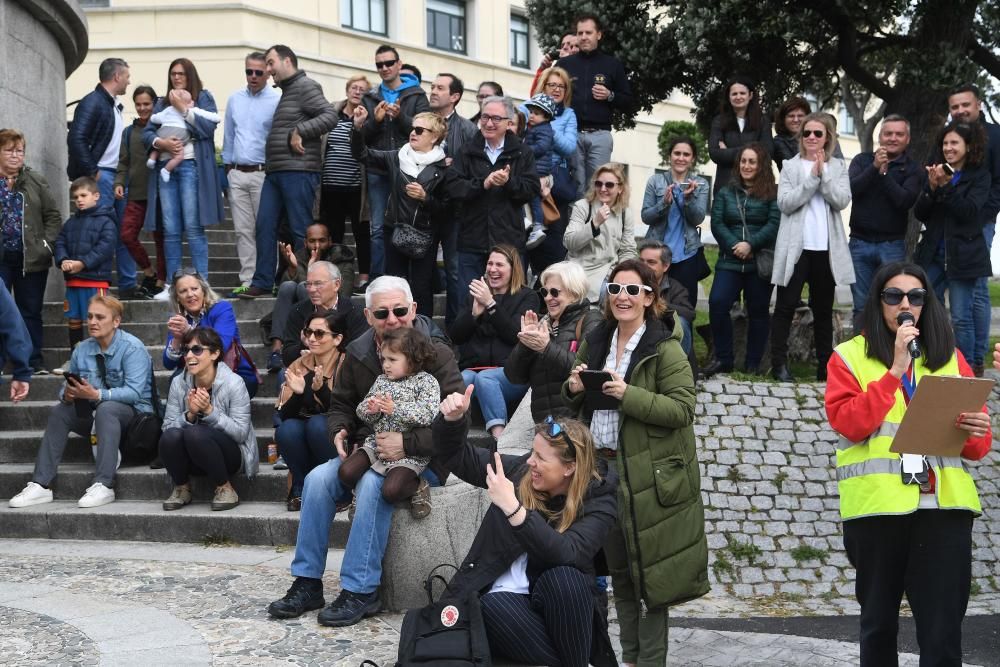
(811, 245)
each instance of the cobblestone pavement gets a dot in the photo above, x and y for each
(126, 603)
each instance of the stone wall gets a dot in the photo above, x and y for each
(771, 506)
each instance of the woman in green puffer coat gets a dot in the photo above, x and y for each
(745, 218)
(657, 554)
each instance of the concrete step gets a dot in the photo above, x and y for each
(142, 483)
(57, 335)
(47, 387)
(160, 311)
(248, 523)
(33, 415)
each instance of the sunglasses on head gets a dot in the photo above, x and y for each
(186, 271)
(556, 430)
(554, 291)
(318, 334)
(383, 313)
(893, 296)
(420, 130)
(196, 350)
(254, 72)
(386, 64)
(630, 289)
(819, 134)
(605, 185)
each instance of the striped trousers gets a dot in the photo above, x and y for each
(552, 626)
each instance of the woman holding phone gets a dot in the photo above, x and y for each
(650, 437)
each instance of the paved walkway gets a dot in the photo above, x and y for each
(129, 603)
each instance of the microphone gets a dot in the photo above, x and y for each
(912, 346)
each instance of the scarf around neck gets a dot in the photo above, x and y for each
(412, 163)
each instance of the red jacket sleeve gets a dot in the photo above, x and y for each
(856, 413)
(975, 448)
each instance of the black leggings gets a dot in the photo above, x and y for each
(813, 267)
(199, 450)
(552, 626)
(335, 206)
(400, 483)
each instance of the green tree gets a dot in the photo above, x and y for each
(682, 128)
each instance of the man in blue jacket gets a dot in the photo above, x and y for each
(94, 140)
(15, 345)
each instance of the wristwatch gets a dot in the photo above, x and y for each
(611, 96)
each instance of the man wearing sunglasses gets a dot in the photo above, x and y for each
(495, 179)
(249, 113)
(391, 107)
(293, 162)
(388, 305)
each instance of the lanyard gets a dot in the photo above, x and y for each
(909, 381)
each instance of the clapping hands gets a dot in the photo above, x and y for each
(534, 333)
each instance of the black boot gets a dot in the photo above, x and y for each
(781, 374)
(305, 595)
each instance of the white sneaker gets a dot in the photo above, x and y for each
(162, 296)
(33, 494)
(535, 238)
(62, 370)
(97, 494)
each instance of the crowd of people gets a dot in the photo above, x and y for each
(547, 291)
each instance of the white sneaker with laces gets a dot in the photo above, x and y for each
(535, 238)
(97, 494)
(33, 494)
(162, 296)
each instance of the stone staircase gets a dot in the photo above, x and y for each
(261, 517)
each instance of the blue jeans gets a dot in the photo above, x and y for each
(304, 444)
(471, 265)
(179, 203)
(686, 341)
(867, 258)
(361, 570)
(284, 192)
(982, 311)
(379, 188)
(494, 391)
(726, 289)
(449, 248)
(29, 295)
(961, 298)
(126, 265)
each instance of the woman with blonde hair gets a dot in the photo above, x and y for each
(601, 230)
(532, 560)
(420, 179)
(811, 246)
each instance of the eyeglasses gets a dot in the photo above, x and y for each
(318, 334)
(605, 185)
(893, 296)
(12, 151)
(630, 289)
(315, 284)
(186, 271)
(495, 120)
(253, 72)
(813, 133)
(358, 89)
(554, 291)
(556, 430)
(386, 64)
(420, 130)
(383, 313)
(179, 73)
(552, 85)
(196, 350)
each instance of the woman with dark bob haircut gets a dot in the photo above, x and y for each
(896, 533)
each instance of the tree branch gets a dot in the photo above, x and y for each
(984, 58)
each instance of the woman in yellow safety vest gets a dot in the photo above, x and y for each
(907, 518)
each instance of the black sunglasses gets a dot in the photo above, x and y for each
(630, 289)
(556, 430)
(254, 72)
(420, 130)
(319, 334)
(186, 271)
(554, 291)
(604, 185)
(386, 64)
(383, 313)
(813, 133)
(893, 296)
(197, 350)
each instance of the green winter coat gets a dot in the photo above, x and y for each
(660, 511)
(42, 220)
(762, 220)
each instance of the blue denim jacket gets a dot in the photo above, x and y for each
(129, 370)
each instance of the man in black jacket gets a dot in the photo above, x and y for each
(599, 87)
(294, 160)
(884, 186)
(93, 144)
(495, 179)
(391, 107)
(964, 105)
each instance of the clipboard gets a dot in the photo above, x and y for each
(928, 427)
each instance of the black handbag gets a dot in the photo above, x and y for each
(446, 633)
(411, 240)
(763, 257)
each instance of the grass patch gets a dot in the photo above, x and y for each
(806, 552)
(747, 551)
(975, 588)
(734, 475)
(722, 565)
(780, 478)
(993, 284)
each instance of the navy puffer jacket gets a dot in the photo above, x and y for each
(89, 236)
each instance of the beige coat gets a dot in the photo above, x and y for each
(614, 242)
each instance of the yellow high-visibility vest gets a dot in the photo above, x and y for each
(868, 474)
